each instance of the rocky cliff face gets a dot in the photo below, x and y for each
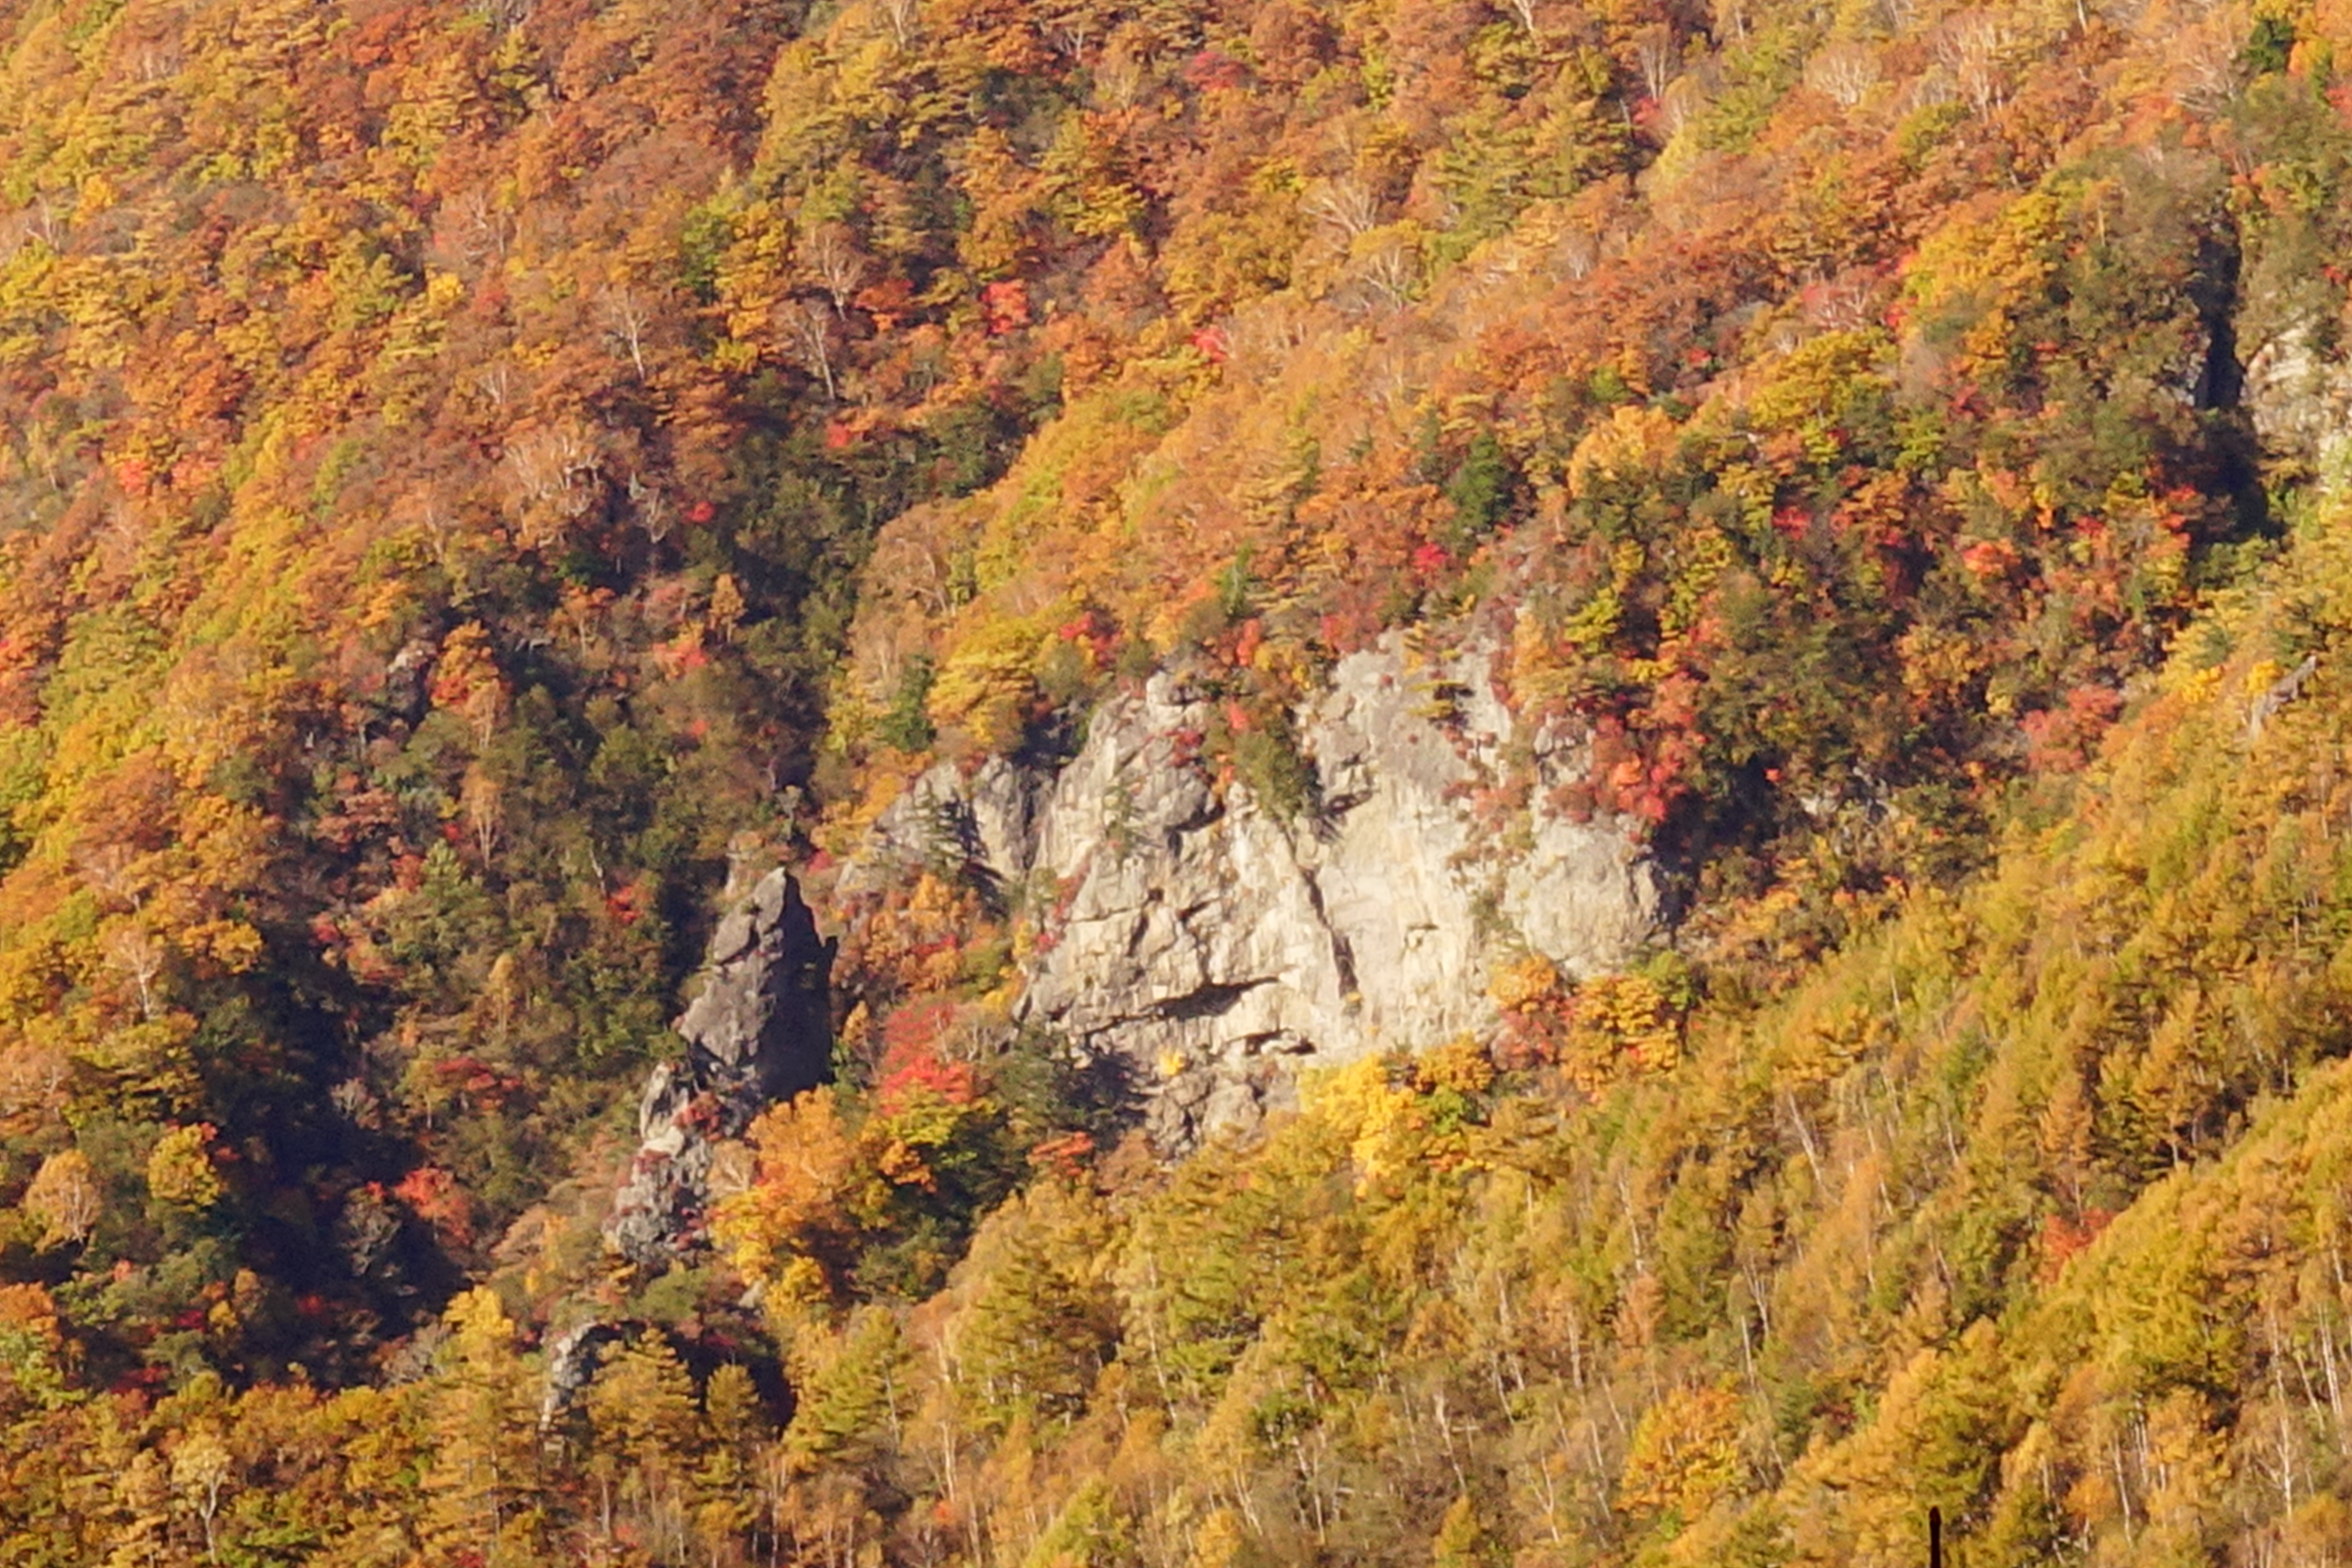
(2299, 397)
(759, 1030)
(1206, 946)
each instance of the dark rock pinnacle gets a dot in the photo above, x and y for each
(759, 1031)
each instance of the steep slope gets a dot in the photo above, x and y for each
(1814, 519)
(1860, 963)
(2028, 1207)
(1855, 460)
(441, 442)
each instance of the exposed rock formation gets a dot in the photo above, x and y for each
(759, 1030)
(1202, 942)
(2300, 400)
(572, 1358)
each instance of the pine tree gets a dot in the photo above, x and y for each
(647, 1440)
(1461, 1541)
(482, 1483)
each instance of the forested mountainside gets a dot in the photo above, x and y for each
(1727, 625)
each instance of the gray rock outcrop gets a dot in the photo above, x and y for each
(573, 1359)
(758, 1031)
(2299, 399)
(1206, 947)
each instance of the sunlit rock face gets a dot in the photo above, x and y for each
(2298, 398)
(1207, 947)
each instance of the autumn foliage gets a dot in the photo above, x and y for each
(477, 481)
